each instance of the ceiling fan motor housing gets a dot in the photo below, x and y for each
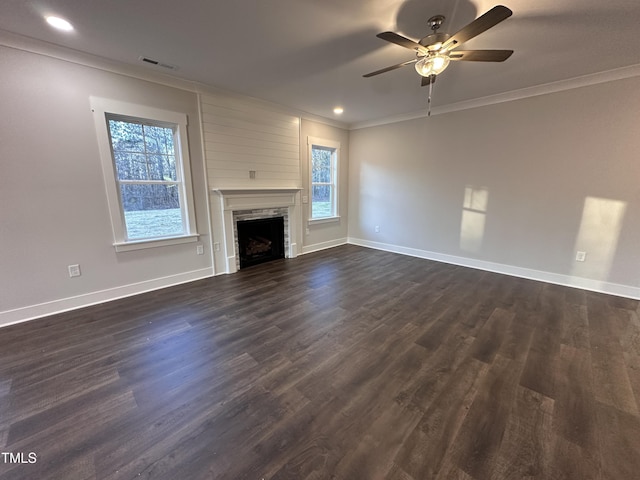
(434, 41)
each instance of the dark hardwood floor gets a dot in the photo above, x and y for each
(348, 363)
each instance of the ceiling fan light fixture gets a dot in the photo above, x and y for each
(432, 64)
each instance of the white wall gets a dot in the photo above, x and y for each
(243, 135)
(323, 235)
(543, 177)
(53, 207)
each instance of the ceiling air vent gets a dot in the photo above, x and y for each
(157, 63)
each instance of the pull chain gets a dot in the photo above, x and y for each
(432, 79)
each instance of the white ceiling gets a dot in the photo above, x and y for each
(311, 54)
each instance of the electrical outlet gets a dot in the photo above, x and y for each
(216, 246)
(581, 256)
(252, 174)
(377, 229)
(305, 199)
(74, 270)
(200, 250)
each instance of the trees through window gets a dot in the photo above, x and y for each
(323, 166)
(145, 161)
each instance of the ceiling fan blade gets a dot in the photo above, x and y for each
(427, 80)
(388, 69)
(481, 55)
(481, 24)
(402, 41)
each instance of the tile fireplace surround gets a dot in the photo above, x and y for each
(250, 204)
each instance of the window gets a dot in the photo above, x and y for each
(146, 167)
(323, 164)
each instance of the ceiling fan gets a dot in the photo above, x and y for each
(434, 51)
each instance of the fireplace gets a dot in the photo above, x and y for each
(237, 205)
(260, 240)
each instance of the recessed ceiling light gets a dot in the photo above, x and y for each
(338, 110)
(59, 23)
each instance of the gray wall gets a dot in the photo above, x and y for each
(53, 207)
(516, 187)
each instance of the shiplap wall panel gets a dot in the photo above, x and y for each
(242, 135)
(253, 151)
(236, 176)
(277, 130)
(213, 129)
(238, 163)
(245, 105)
(217, 139)
(259, 167)
(255, 115)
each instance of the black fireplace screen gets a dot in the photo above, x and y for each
(260, 240)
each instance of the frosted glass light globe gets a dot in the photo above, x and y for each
(432, 65)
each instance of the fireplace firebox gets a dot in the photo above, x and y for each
(260, 240)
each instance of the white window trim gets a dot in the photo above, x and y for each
(332, 144)
(101, 107)
(155, 242)
(313, 221)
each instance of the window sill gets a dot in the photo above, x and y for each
(157, 242)
(314, 221)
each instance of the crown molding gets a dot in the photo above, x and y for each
(39, 47)
(69, 55)
(544, 89)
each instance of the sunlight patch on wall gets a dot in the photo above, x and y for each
(600, 227)
(474, 212)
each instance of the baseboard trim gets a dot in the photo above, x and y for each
(19, 315)
(316, 247)
(528, 273)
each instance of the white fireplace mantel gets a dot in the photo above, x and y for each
(234, 190)
(241, 199)
(250, 198)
